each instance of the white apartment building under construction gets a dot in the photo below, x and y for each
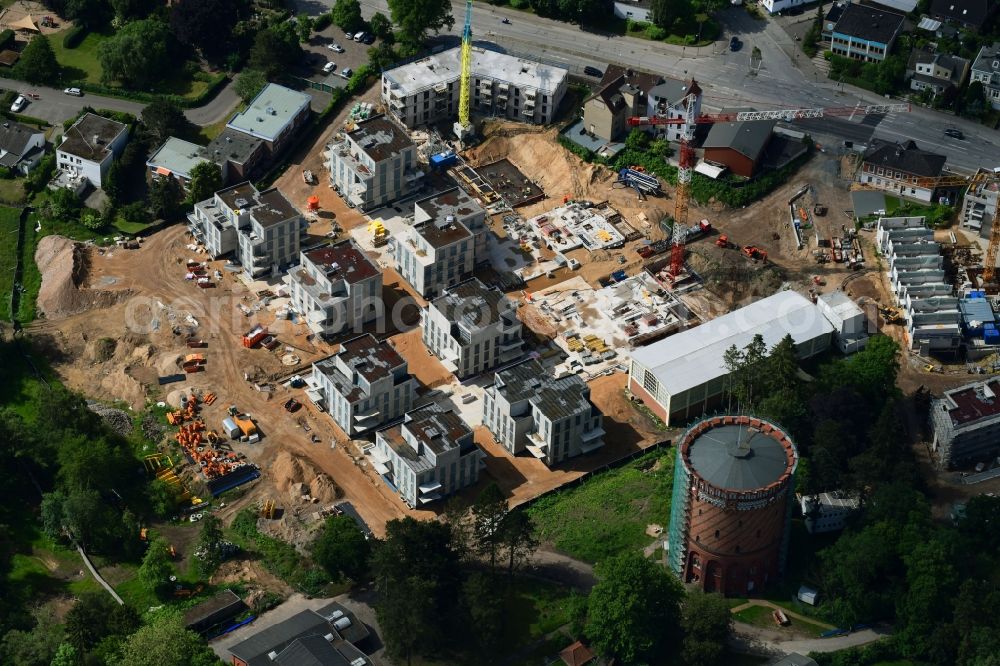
(374, 164)
(426, 91)
(552, 418)
(447, 239)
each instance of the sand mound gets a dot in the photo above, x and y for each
(63, 265)
(299, 477)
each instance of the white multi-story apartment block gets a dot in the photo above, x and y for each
(426, 91)
(336, 288)
(472, 328)
(261, 229)
(364, 385)
(374, 164)
(430, 455)
(89, 147)
(553, 418)
(979, 205)
(986, 70)
(446, 240)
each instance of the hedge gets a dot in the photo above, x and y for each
(6, 39)
(27, 120)
(74, 36)
(322, 22)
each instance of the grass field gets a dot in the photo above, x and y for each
(760, 616)
(8, 257)
(535, 608)
(12, 191)
(609, 512)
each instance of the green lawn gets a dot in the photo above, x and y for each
(891, 204)
(12, 191)
(8, 257)
(760, 616)
(534, 609)
(40, 568)
(609, 512)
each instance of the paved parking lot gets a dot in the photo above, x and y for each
(317, 55)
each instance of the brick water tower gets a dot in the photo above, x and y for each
(732, 501)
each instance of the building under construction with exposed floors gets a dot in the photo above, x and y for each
(731, 504)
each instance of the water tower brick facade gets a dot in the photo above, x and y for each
(733, 486)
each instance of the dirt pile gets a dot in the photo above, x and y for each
(63, 265)
(297, 477)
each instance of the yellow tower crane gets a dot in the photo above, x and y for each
(463, 128)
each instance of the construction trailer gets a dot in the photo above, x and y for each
(230, 428)
(254, 335)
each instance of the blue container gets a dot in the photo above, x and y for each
(991, 336)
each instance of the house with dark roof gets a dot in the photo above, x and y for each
(472, 328)
(428, 456)
(273, 116)
(971, 14)
(209, 614)
(986, 70)
(670, 98)
(299, 640)
(622, 93)
(21, 147)
(902, 169)
(89, 147)
(336, 288)
(364, 385)
(374, 164)
(552, 418)
(936, 72)
(738, 145)
(240, 156)
(966, 423)
(865, 33)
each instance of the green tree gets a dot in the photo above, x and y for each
(341, 549)
(37, 646)
(163, 119)
(165, 642)
(165, 197)
(66, 655)
(707, 624)
(304, 26)
(88, 13)
(128, 10)
(382, 55)
(519, 540)
(209, 545)
(861, 575)
(637, 139)
(484, 610)
(633, 608)
(249, 83)
(206, 180)
(381, 25)
(137, 55)
(275, 49)
(209, 25)
(136, 212)
(931, 584)
(489, 512)
(156, 568)
(347, 15)
(37, 63)
(94, 617)
(113, 183)
(87, 518)
(415, 18)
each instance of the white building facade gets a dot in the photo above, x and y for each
(986, 70)
(89, 147)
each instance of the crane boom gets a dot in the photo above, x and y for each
(465, 81)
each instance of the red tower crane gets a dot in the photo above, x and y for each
(687, 158)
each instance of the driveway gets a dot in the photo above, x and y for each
(55, 106)
(749, 639)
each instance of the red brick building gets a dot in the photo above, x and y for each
(731, 504)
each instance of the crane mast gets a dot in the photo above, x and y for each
(463, 128)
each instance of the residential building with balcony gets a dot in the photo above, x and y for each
(979, 205)
(552, 418)
(986, 70)
(426, 91)
(273, 116)
(176, 158)
(374, 164)
(336, 288)
(89, 147)
(366, 384)
(622, 93)
(966, 424)
(446, 240)
(260, 229)
(472, 328)
(865, 33)
(428, 456)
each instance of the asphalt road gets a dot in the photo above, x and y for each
(786, 78)
(55, 106)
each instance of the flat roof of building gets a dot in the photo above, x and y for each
(238, 197)
(554, 397)
(272, 208)
(233, 146)
(974, 402)
(176, 156)
(454, 201)
(868, 23)
(343, 261)
(441, 233)
(380, 138)
(445, 67)
(365, 355)
(739, 457)
(270, 112)
(90, 137)
(472, 302)
(694, 357)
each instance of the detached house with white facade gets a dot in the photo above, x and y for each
(89, 147)
(472, 328)
(364, 385)
(21, 147)
(261, 230)
(671, 99)
(336, 288)
(429, 456)
(374, 164)
(552, 418)
(986, 70)
(446, 240)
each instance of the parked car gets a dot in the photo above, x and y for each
(795, 11)
(734, 43)
(335, 47)
(329, 67)
(358, 37)
(76, 92)
(592, 71)
(346, 72)
(954, 133)
(19, 104)
(368, 38)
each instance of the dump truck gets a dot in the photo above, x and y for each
(754, 253)
(254, 335)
